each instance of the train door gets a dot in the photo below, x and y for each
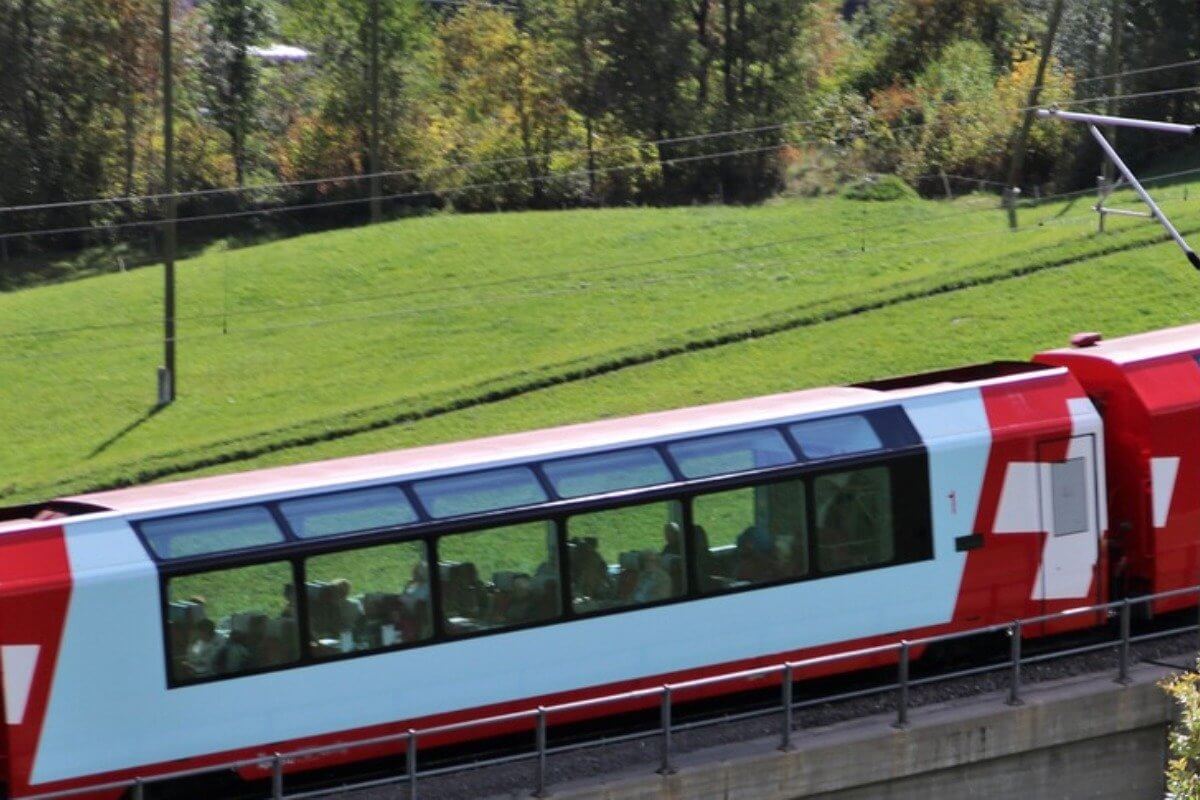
(1071, 522)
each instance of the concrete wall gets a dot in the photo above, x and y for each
(1083, 737)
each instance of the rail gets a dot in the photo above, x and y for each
(787, 672)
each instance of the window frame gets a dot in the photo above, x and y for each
(901, 445)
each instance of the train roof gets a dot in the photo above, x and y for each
(1182, 340)
(526, 446)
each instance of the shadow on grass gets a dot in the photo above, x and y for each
(128, 429)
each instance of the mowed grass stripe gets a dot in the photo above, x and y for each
(813, 314)
(1118, 294)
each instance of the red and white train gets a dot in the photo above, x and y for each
(150, 630)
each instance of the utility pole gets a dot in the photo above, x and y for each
(376, 203)
(1017, 165)
(166, 374)
(1112, 68)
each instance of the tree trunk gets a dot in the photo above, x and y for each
(129, 112)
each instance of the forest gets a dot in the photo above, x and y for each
(536, 104)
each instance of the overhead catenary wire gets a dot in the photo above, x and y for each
(586, 270)
(417, 312)
(582, 270)
(408, 172)
(450, 190)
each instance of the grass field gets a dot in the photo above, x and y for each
(451, 326)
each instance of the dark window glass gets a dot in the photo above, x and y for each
(211, 532)
(753, 535)
(1068, 490)
(626, 557)
(854, 519)
(347, 512)
(367, 599)
(500, 577)
(608, 472)
(838, 436)
(733, 452)
(483, 491)
(232, 621)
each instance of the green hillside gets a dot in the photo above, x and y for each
(451, 326)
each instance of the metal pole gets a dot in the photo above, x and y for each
(1156, 213)
(410, 758)
(1017, 165)
(539, 789)
(665, 767)
(1113, 67)
(1102, 198)
(785, 739)
(376, 204)
(167, 383)
(902, 694)
(1014, 681)
(1121, 122)
(277, 778)
(139, 789)
(1123, 666)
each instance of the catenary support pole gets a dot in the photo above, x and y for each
(376, 191)
(1155, 211)
(1017, 163)
(167, 382)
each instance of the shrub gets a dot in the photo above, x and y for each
(879, 189)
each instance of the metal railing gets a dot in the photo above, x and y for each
(788, 672)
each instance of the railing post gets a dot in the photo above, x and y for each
(410, 760)
(277, 778)
(665, 767)
(139, 789)
(785, 739)
(902, 692)
(1197, 620)
(1014, 680)
(1123, 665)
(539, 788)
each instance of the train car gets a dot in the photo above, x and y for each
(148, 630)
(1147, 387)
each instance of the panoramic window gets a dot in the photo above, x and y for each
(347, 512)
(607, 472)
(483, 491)
(753, 535)
(211, 532)
(368, 598)
(839, 436)
(854, 519)
(732, 452)
(626, 556)
(500, 577)
(232, 621)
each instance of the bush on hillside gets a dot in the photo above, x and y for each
(879, 189)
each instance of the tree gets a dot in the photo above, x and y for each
(343, 34)
(573, 30)
(1183, 766)
(231, 75)
(502, 100)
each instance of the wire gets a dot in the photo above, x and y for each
(1138, 71)
(586, 270)
(1131, 96)
(417, 312)
(508, 160)
(357, 178)
(562, 274)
